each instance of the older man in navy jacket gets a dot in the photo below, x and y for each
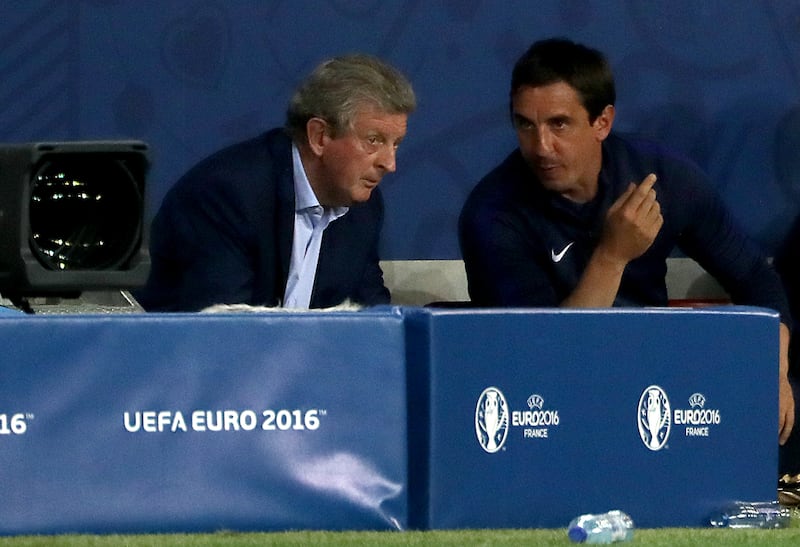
(291, 218)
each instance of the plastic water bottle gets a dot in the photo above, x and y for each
(742, 514)
(602, 528)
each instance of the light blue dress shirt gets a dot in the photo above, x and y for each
(310, 221)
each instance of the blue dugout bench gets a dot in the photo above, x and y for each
(386, 419)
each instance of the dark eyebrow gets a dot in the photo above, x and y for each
(520, 118)
(560, 118)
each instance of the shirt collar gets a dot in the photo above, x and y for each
(304, 197)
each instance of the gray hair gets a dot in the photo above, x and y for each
(339, 87)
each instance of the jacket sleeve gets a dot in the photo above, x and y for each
(713, 238)
(199, 254)
(372, 290)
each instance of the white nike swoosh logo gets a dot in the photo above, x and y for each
(557, 257)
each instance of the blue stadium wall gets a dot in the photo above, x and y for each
(719, 80)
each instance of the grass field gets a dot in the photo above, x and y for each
(529, 537)
(659, 537)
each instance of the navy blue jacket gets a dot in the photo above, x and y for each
(223, 235)
(512, 229)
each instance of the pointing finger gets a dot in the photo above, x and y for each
(644, 192)
(647, 184)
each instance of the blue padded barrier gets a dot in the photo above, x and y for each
(169, 423)
(523, 418)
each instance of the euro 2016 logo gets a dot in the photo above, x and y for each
(654, 418)
(491, 419)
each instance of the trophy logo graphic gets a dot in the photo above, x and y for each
(654, 417)
(491, 419)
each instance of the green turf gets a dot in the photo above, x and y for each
(660, 537)
(665, 537)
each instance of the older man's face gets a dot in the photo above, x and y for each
(355, 161)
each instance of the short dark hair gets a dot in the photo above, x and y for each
(339, 87)
(560, 60)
